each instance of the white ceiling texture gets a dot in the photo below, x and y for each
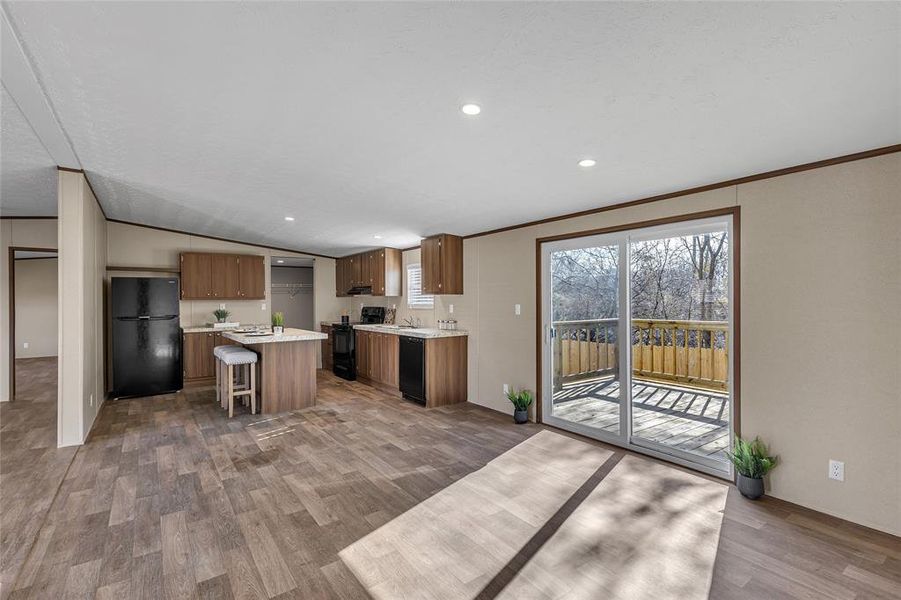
(223, 118)
(27, 173)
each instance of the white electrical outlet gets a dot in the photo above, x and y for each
(450, 309)
(263, 307)
(506, 389)
(221, 306)
(25, 345)
(836, 470)
(517, 309)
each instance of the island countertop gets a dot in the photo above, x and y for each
(290, 335)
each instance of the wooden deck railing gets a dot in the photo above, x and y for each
(694, 353)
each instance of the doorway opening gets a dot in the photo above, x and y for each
(291, 282)
(638, 339)
(33, 324)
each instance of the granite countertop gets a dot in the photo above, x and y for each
(418, 332)
(290, 335)
(207, 329)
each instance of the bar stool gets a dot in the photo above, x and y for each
(240, 357)
(218, 353)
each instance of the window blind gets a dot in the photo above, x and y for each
(415, 297)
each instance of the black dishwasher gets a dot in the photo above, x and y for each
(412, 368)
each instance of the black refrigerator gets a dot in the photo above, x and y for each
(146, 336)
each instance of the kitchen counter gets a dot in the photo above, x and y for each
(290, 335)
(207, 329)
(417, 332)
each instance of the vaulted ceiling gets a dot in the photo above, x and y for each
(223, 118)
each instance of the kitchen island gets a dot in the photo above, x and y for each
(286, 367)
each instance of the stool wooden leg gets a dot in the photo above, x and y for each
(253, 388)
(218, 382)
(231, 391)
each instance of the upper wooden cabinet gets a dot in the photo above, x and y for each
(442, 264)
(379, 270)
(206, 276)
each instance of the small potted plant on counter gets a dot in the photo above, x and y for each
(751, 462)
(221, 315)
(521, 401)
(278, 322)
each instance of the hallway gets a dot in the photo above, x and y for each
(29, 456)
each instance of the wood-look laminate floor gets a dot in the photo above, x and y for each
(31, 466)
(367, 496)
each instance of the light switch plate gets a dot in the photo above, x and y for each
(450, 308)
(517, 309)
(263, 307)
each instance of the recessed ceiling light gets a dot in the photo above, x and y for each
(587, 162)
(471, 109)
(378, 237)
(280, 261)
(289, 218)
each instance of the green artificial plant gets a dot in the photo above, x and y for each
(278, 319)
(221, 314)
(751, 458)
(521, 400)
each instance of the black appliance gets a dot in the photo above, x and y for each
(412, 368)
(344, 360)
(360, 290)
(146, 336)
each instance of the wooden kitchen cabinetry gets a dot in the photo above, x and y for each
(442, 264)
(206, 276)
(197, 355)
(380, 270)
(377, 358)
(327, 347)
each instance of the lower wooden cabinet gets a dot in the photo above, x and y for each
(377, 357)
(197, 354)
(327, 347)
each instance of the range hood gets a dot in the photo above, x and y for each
(360, 290)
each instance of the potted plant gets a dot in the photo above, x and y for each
(521, 401)
(221, 315)
(751, 462)
(278, 322)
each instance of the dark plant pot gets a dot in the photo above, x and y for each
(749, 487)
(521, 416)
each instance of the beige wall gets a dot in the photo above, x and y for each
(36, 308)
(82, 264)
(821, 327)
(35, 233)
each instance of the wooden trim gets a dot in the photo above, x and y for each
(704, 188)
(12, 311)
(735, 213)
(41, 217)
(219, 239)
(143, 269)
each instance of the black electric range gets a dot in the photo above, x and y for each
(344, 361)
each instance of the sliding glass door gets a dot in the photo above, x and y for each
(637, 344)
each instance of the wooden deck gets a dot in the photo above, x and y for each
(689, 419)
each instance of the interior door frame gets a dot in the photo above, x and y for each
(12, 310)
(732, 212)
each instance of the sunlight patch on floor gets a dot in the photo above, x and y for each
(644, 528)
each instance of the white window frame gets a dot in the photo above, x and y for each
(415, 298)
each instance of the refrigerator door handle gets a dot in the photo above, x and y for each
(144, 317)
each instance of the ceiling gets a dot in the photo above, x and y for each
(223, 118)
(27, 173)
